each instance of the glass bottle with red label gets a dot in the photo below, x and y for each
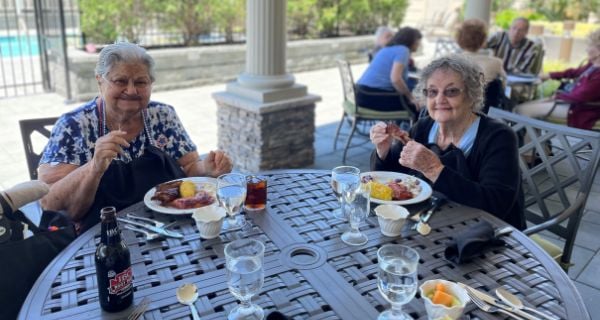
(113, 265)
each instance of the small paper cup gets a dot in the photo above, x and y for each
(209, 220)
(391, 218)
(439, 311)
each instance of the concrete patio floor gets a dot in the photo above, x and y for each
(197, 111)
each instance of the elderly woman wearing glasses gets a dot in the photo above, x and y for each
(113, 149)
(470, 158)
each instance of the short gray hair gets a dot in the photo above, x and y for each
(471, 75)
(123, 52)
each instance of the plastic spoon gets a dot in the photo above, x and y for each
(188, 294)
(516, 303)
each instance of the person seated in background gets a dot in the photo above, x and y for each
(470, 37)
(114, 148)
(518, 53)
(470, 158)
(585, 88)
(388, 73)
(383, 35)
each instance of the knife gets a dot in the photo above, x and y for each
(161, 231)
(497, 303)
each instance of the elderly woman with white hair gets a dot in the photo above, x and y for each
(470, 158)
(114, 148)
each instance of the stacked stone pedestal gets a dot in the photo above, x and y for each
(264, 136)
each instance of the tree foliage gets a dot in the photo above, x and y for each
(191, 20)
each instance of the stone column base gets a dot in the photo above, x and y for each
(264, 136)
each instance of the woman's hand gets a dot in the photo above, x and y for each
(381, 139)
(107, 148)
(417, 157)
(217, 163)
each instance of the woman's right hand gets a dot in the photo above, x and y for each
(107, 148)
(381, 139)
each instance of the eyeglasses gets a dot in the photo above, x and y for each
(448, 93)
(123, 83)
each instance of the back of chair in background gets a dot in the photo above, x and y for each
(558, 181)
(28, 127)
(356, 114)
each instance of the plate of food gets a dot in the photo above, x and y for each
(396, 188)
(182, 196)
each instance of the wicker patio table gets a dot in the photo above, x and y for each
(309, 272)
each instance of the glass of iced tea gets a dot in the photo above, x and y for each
(256, 195)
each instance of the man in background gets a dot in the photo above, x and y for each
(518, 53)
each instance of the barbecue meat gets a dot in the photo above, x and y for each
(400, 192)
(201, 199)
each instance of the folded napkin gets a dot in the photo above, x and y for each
(469, 244)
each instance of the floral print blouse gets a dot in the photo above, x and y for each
(75, 133)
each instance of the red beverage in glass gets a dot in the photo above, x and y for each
(256, 194)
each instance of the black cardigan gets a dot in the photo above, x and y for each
(495, 184)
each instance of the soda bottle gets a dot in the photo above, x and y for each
(113, 265)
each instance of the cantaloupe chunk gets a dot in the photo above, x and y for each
(440, 287)
(440, 297)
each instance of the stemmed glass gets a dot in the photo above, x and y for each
(245, 276)
(340, 177)
(231, 192)
(397, 278)
(358, 199)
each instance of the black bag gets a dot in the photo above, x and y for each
(23, 260)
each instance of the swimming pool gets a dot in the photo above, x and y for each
(15, 46)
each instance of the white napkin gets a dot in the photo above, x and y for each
(24, 193)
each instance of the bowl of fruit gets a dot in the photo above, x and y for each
(443, 299)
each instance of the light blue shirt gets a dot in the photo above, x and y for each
(467, 140)
(377, 74)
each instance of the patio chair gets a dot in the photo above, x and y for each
(29, 127)
(445, 46)
(356, 114)
(557, 186)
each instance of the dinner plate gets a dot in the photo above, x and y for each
(209, 184)
(386, 176)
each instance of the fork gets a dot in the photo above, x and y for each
(488, 308)
(139, 310)
(156, 223)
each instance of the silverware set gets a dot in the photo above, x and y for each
(508, 304)
(139, 310)
(152, 229)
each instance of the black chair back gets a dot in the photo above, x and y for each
(28, 127)
(558, 181)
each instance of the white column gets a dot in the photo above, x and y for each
(266, 46)
(479, 9)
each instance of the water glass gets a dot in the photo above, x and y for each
(245, 276)
(397, 279)
(231, 193)
(343, 178)
(359, 204)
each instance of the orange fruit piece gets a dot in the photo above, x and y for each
(440, 297)
(440, 287)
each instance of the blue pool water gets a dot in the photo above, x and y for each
(13, 46)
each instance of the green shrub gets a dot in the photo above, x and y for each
(504, 18)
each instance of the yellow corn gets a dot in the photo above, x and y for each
(187, 189)
(380, 191)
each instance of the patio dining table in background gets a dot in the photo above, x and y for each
(309, 272)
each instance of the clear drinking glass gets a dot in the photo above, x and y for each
(341, 176)
(397, 278)
(358, 200)
(231, 193)
(245, 276)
